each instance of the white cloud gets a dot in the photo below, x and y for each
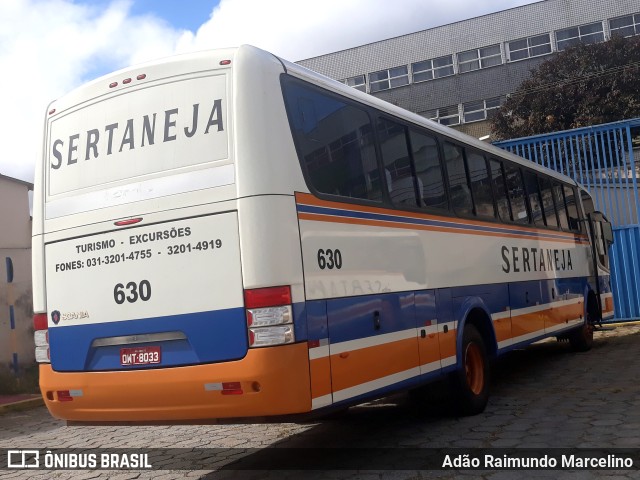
(296, 29)
(48, 47)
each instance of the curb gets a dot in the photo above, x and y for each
(21, 405)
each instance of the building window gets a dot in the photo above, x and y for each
(625, 26)
(480, 110)
(479, 58)
(386, 79)
(592, 33)
(432, 69)
(444, 115)
(529, 47)
(357, 82)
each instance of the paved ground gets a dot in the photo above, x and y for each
(544, 396)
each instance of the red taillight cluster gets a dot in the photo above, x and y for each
(269, 316)
(41, 337)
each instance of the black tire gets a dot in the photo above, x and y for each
(470, 384)
(581, 339)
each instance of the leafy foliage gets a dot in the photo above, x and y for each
(581, 86)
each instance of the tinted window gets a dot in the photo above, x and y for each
(516, 194)
(533, 194)
(334, 141)
(500, 190)
(548, 202)
(561, 208)
(458, 186)
(428, 170)
(572, 208)
(397, 165)
(480, 185)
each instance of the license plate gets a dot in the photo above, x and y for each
(140, 356)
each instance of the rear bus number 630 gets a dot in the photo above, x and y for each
(329, 259)
(132, 292)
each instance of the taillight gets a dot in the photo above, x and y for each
(269, 316)
(41, 337)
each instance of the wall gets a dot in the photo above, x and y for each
(16, 344)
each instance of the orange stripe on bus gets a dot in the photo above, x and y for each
(389, 224)
(308, 199)
(356, 367)
(320, 377)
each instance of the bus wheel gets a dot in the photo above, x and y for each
(471, 382)
(581, 339)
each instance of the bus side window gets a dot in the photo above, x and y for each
(335, 142)
(459, 191)
(428, 170)
(480, 185)
(397, 164)
(548, 204)
(533, 194)
(500, 190)
(561, 207)
(572, 208)
(515, 187)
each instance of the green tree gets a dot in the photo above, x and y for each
(581, 86)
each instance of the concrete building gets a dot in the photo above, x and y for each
(457, 74)
(16, 311)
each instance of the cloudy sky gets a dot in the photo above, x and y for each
(49, 47)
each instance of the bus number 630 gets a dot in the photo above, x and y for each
(136, 291)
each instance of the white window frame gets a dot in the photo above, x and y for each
(433, 69)
(486, 110)
(479, 58)
(439, 118)
(635, 24)
(529, 47)
(352, 82)
(389, 80)
(580, 36)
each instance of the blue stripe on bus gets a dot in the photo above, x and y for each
(351, 318)
(214, 336)
(423, 221)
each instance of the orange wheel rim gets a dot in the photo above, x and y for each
(474, 368)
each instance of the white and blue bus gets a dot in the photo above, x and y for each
(227, 234)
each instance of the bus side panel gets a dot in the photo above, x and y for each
(564, 302)
(319, 360)
(447, 327)
(526, 320)
(373, 343)
(428, 342)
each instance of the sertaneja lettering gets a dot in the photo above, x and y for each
(523, 259)
(141, 132)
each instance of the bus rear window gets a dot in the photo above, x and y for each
(335, 142)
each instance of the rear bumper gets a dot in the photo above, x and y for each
(274, 381)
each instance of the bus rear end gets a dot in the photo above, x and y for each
(141, 308)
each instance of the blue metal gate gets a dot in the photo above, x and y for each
(603, 159)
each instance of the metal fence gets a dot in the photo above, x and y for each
(606, 160)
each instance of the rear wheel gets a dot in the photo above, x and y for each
(471, 382)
